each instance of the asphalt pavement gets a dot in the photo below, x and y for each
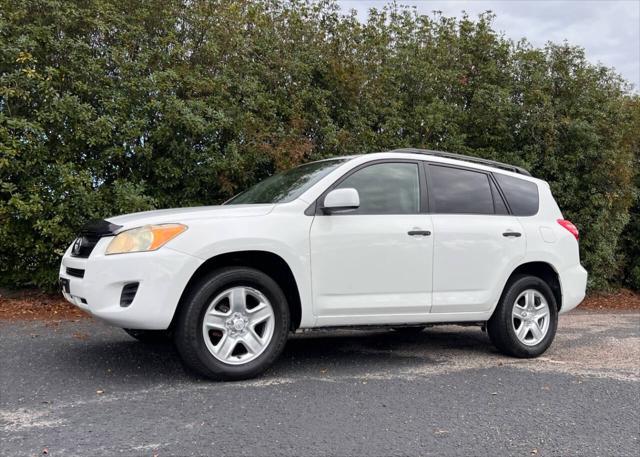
(83, 388)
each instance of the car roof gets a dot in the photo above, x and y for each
(464, 158)
(445, 158)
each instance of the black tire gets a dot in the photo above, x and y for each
(149, 336)
(189, 337)
(501, 329)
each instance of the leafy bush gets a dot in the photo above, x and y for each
(630, 239)
(109, 107)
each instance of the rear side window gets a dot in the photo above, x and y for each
(459, 191)
(498, 202)
(521, 195)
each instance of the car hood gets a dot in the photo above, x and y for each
(182, 215)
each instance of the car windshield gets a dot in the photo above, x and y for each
(287, 186)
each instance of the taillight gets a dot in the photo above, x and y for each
(569, 226)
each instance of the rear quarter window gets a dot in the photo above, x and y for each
(522, 196)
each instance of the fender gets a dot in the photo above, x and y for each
(530, 258)
(279, 233)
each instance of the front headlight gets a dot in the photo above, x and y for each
(147, 238)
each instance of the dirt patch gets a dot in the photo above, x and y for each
(622, 299)
(31, 306)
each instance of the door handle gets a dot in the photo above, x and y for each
(513, 234)
(419, 232)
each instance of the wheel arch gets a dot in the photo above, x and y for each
(542, 270)
(267, 262)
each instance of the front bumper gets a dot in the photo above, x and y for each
(573, 282)
(162, 276)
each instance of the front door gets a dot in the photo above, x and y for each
(374, 264)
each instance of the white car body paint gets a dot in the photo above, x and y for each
(349, 270)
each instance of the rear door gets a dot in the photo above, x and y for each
(476, 241)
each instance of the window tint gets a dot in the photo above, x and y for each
(521, 195)
(386, 188)
(458, 191)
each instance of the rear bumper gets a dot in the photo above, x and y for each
(162, 276)
(573, 282)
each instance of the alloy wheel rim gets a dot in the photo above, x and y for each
(530, 317)
(238, 325)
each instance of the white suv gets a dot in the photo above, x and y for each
(404, 239)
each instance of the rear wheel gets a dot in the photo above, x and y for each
(525, 321)
(233, 325)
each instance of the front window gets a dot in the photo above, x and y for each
(287, 186)
(386, 188)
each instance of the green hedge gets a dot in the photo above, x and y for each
(109, 107)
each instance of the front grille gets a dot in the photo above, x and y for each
(90, 235)
(128, 294)
(83, 246)
(76, 272)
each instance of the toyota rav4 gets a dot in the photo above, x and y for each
(405, 239)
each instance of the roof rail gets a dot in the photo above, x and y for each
(478, 160)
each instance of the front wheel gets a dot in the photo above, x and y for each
(233, 325)
(525, 321)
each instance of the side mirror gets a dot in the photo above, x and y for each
(341, 200)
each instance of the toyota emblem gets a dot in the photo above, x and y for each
(76, 246)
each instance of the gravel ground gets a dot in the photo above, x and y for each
(82, 388)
